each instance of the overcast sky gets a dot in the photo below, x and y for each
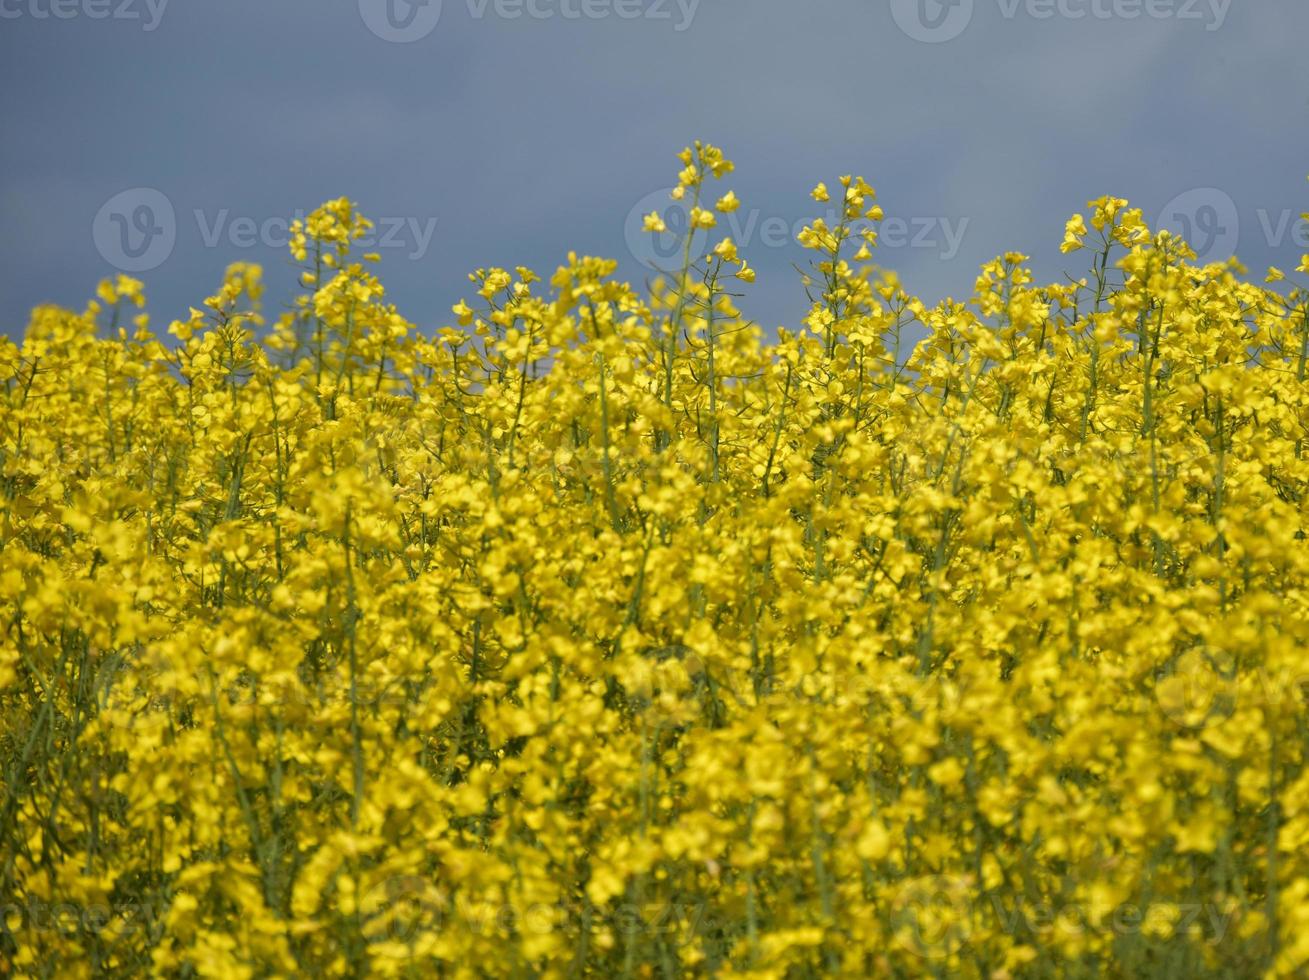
(172, 137)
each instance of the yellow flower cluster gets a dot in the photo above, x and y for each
(605, 636)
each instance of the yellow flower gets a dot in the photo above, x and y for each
(701, 218)
(1074, 233)
(726, 250)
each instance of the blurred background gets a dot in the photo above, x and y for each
(168, 138)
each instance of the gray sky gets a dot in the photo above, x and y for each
(505, 132)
